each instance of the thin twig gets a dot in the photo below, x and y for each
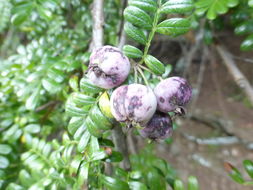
(200, 76)
(238, 76)
(98, 22)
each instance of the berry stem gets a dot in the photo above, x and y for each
(143, 76)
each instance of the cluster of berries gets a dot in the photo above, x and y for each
(137, 104)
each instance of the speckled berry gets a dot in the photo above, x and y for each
(108, 67)
(172, 93)
(159, 127)
(134, 103)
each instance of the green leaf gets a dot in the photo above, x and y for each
(99, 119)
(244, 28)
(135, 33)
(193, 183)
(50, 85)
(178, 185)
(177, 6)
(5, 149)
(154, 65)
(83, 142)
(73, 83)
(88, 87)
(250, 3)
(56, 75)
(174, 26)
(4, 162)
(168, 69)
(33, 100)
(132, 52)
(82, 99)
(214, 7)
(83, 173)
(135, 185)
(32, 128)
(25, 178)
(115, 157)
(247, 44)
(248, 165)
(113, 183)
(138, 17)
(73, 110)
(5, 13)
(74, 124)
(93, 128)
(146, 5)
(234, 173)
(13, 186)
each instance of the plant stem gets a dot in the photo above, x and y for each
(143, 76)
(152, 32)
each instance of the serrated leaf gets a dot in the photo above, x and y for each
(83, 142)
(177, 6)
(99, 119)
(248, 165)
(247, 44)
(146, 5)
(132, 52)
(135, 185)
(5, 149)
(82, 99)
(135, 33)
(174, 26)
(178, 185)
(113, 183)
(214, 7)
(193, 183)
(154, 65)
(33, 100)
(104, 105)
(138, 17)
(87, 86)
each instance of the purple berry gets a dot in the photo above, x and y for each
(133, 103)
(108, 67)
(172, 93)
(159, 127)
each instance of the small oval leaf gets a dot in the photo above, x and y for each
(135, 33)
(177, 6)
(88, 87)
(132, 52)
(146, 5)
(138, 17)
(174, 26)
(154, 65)
(248, 165)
